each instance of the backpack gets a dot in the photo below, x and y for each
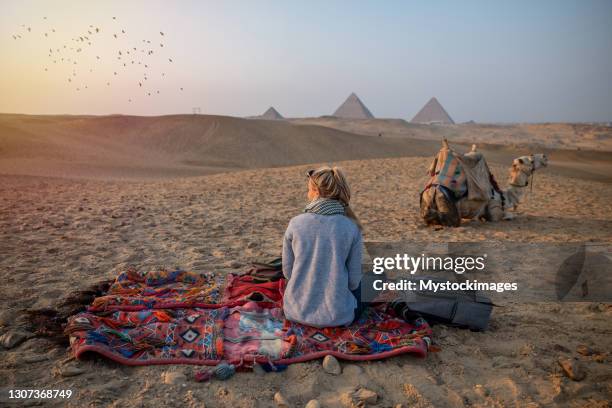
(464, 309)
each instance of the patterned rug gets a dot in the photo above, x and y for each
(178, 317)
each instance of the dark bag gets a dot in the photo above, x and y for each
(464, 309)
(266, 271)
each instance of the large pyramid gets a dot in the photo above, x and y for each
(271, 114)
(433, 112)
(353, 108)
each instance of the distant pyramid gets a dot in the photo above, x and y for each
(433, 112)
(271, 114)
(353, 108)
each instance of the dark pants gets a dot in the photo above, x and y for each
(360, 305)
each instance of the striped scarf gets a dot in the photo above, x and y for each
(325, 206)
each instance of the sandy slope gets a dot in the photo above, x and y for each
(171, 146)
(551, 135)
(58, 234)
(136, 147)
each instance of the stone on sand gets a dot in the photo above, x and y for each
(173, 377)
(280, 400)
(572, 369)
(13, 338)
(331, 365)
(71, 371)
(313, 404)
(366, 396)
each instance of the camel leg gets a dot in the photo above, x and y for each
(509, 216)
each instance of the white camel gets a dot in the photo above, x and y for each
(521, 171)
(468, 177)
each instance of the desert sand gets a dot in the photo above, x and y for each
(79, 205)
(552, 135)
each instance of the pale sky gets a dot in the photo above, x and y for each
(488, 61)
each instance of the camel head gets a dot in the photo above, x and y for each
(539, 160)
(524, 166)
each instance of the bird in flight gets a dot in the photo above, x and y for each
(67, 56)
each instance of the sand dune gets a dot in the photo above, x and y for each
(132, 146)
(551, 135)
(136, 147)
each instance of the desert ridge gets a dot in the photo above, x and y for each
(151, 147)
(176, 145)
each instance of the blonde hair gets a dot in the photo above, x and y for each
(331, 183)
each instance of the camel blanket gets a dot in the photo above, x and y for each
(462, 174)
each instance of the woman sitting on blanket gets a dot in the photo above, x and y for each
(322, 255)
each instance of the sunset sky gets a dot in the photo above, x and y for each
(518, 61)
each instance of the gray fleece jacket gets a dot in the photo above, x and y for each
(322, 264)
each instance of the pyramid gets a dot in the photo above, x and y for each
(271, 114)
(353, 108)
(433, 112)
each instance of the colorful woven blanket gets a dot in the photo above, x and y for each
(446, 170)
(180, 317)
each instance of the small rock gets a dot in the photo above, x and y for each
(365, 395)
(313, 404)
(71, 371)
(572, 369)
(331, 365)
(352, 370)
(252, 245)
(235, 264)
(173, 377)
(585, 350)
(280, 400)
(13, 338)
(222, 391)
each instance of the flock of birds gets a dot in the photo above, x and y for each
(76, 57)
